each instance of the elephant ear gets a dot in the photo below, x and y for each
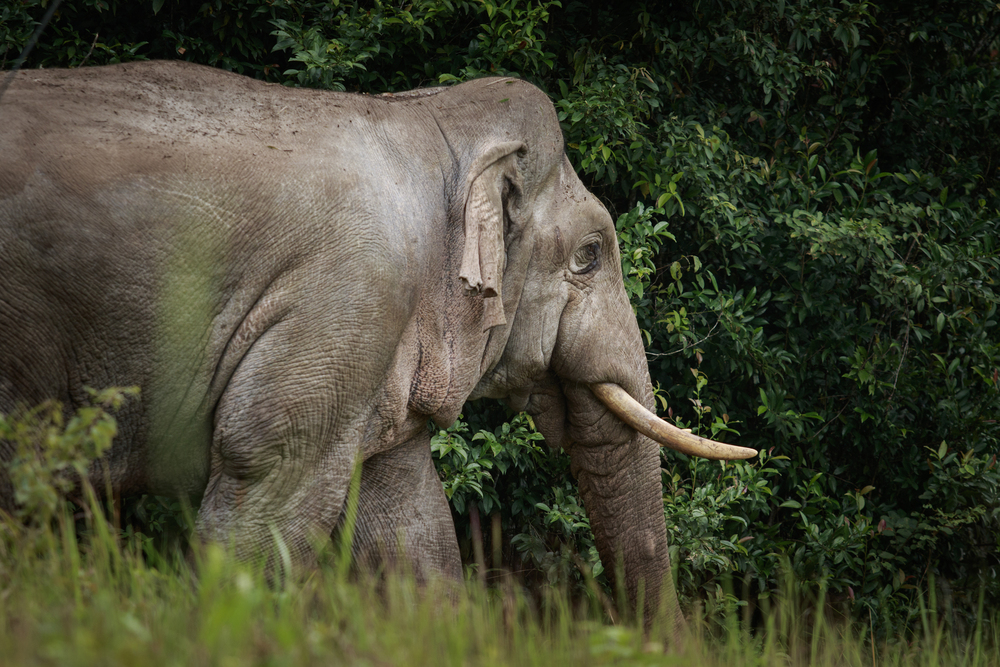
(484, 256)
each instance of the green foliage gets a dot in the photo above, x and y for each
(361, 36)
(52, 454)
(640, 238)
(712, 518)
(470, 472)
(510, 41)
(602, 116)
(838, 291)
(506, 472)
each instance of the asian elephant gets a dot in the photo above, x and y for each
(299, 280)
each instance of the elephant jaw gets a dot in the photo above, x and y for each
(630, 411)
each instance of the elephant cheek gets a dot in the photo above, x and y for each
(553, 429)
(548, 410)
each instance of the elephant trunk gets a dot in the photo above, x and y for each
(621, 488)
(620, 483)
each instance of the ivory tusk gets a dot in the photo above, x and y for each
(642, 420)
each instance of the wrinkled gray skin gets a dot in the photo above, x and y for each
(293, 279)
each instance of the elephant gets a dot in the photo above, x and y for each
(300, 281)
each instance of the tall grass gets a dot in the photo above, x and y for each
(74, 590)
(99, 599)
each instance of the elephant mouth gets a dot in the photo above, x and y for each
(633, 413)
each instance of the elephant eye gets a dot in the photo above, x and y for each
(586, 258)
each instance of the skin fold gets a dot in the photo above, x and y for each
(299, 281)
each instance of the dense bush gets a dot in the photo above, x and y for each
(807, 205)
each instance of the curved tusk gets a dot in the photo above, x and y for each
(642, 420)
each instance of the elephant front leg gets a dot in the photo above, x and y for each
(277, 473)
(404, 520)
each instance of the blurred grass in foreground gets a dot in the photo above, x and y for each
(75, 590)
(98, 601)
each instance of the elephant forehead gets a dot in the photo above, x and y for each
(567, 212)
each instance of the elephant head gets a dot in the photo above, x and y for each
(542, 255)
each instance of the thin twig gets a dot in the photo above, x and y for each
(902, 358)
(92, 44)
(871, 630)
(686, 346)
